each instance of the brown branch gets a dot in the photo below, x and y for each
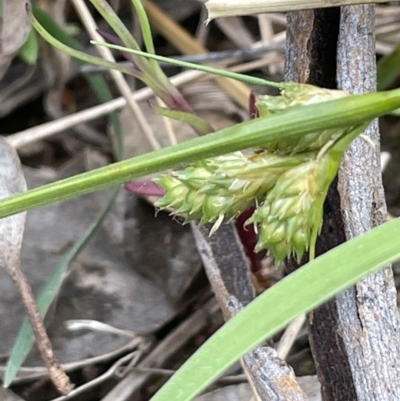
(369, 319)
(229, 275)
(56, 373)
(311, 57)
(353, 336)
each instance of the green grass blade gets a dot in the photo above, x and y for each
(146, 33)
(115, 23)
(144, 26)
(192, 66)
(76, 53)
(54, 29)
(254, 133)
(298, 293)
(29, 51)
(197, 123)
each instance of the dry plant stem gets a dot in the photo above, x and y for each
(267, 36)
(229, 274)
(385, 159)
(229, 379)
(168, 125)
(257, 64)
(289, 336)
(230, 8)
(56, 373)
(7, 395)
(113, 371)
(180, 39)
(134, 380)
(236, 30)
(117, 76)
(369, 319)
(35, 373)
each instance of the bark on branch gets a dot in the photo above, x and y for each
(354, 337)
(229, 275)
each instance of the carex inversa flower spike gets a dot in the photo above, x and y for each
(287, 182)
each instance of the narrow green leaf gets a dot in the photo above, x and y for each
(115, 23)
(199, 67)
(198, 123)
(54, 29)
(146, 33)
(298, 293)
(76, 53)
(254, 133)
(30, 49)
(144, 26)
(388, 69)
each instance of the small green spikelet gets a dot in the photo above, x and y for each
(287, 181)
(221, 188)
(290, 218)
(297, 95)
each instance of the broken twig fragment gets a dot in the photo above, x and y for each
(231, 8)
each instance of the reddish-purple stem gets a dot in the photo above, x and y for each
(115, 40)
(247, 234)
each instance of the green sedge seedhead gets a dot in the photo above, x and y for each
(221, 188)
(287, 182)
(297, 95)
(290, 217)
